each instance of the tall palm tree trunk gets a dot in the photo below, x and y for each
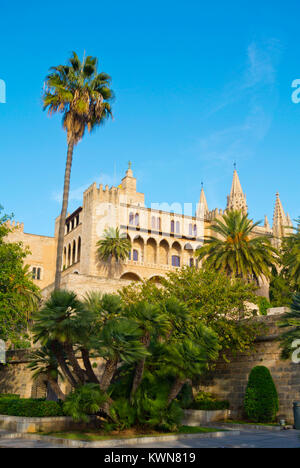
(108, 373)
(56, 389)
(88, 367)
(62, 221)
(175, 390)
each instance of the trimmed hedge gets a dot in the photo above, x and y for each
(30, 407)
(261, 399)
(211, 405)
(207, 402)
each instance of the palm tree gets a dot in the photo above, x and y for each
(44, 363)
(236, 250)
(291, 256)
(152, 322)
(59, 322)
(114, 246)
(189, 357)
(119, 341)
(82, 96)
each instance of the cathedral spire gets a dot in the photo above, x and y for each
(237, 199)
(279, 218)
(267, 224)
(202, 207)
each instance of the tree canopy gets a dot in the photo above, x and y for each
(18, 294)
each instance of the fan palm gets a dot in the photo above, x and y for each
(82, 96)
(236, 250)
(44, 363)
(119, 341)
(189, 357)
(152, 322)
(58, 322)
(114, 245)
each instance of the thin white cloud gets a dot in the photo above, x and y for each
(256, 91)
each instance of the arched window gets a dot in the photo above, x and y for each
(177, 227)
(153, 222)
(172, 226)
(79, 249)
(65, 258)
(69, 255)
(159, 224)
(195, 230)
(135, 255)
(137, 219)
(74, 252)
(175, 261)
(131, 218)
(190, 229)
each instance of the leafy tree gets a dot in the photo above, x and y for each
(235, 249)
(261, 399)
(192, 295)
(18, 294)
(82, 96)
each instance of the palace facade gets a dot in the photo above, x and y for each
(162, 240)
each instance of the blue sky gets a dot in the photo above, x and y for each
(198, 85)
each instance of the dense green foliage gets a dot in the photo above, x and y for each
(139, 342)
(290, 339)
(236, 250)
(210, 297)
(18, 295)
(30, 407)
(261, 398)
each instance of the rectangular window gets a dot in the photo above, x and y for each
(34, 273)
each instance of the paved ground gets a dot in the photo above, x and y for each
(247, 439)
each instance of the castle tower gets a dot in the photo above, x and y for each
(237, 199)
(202, 207)
(129, 182)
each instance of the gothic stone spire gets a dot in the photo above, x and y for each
(202, 207)
(237, 199)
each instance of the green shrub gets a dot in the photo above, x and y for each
(30, 407)
(9, 395)
(207, 402)
(84, 401)
(263, 305)
(261, 399)
(124, 413)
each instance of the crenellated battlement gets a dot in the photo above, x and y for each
(15, 225)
